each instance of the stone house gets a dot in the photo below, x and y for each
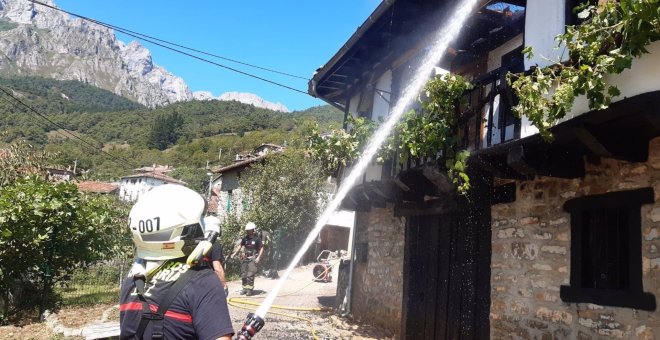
(227, 196)
(554, 240)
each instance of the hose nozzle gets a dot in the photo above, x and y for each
(252, 324)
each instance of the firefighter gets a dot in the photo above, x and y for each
(252, 251)
(169, 293)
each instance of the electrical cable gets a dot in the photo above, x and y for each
(153, 41)
(45, 126)
(197, 50)
(88, 144)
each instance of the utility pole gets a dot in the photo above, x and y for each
(75, 164)
(210, 174)
(220, 154)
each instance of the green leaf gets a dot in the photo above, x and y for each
(613, 91)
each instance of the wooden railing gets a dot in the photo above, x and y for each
(488, 120)
(485, 120)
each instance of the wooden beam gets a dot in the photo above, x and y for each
(401, 185)
(591, 142)
(653, 119)
(374, 199)
(439, 179)
(515, 159)
(435, 207)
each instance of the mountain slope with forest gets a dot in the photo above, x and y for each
(186, 134)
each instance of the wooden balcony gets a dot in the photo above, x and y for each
(503, 146)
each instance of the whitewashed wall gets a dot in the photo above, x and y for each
(130, 191)
(382, 96)
(544, 20)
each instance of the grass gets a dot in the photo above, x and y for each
(82, 295)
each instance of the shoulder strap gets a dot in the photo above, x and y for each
(163, 306)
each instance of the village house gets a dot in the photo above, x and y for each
(227, 199)
(554, 240)
(60, 175)
(226, 194)
(131, 187)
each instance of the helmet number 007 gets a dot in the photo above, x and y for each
(149, 225)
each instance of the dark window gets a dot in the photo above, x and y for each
(606, 256)
(605, 252)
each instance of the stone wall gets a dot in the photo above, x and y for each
(531, 257)
(378, 281)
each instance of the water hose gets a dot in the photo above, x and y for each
(309, 321)
(236, 302)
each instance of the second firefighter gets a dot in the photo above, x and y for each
(251, 249)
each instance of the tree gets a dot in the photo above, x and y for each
(48, 230)
(285, 195)
(165, 131)
(19, 159)
(196, 178)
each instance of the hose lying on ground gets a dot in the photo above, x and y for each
(237, 302)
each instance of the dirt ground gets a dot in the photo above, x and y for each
(299, 292)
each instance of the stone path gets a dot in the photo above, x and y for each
(99, 329)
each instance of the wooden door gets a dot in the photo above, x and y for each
(447, 276)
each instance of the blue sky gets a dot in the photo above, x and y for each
(290, 36)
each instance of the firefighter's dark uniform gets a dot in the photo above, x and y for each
(199, 311)
(251, 247)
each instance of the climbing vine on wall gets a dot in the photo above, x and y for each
(611, 35)
(423, 134)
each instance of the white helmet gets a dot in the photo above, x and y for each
(166, 222)
(250, 226)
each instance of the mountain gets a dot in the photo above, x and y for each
(65, 96)
(242, 97)
(40, 41)
(211, 130)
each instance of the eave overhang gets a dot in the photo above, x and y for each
(392, 31)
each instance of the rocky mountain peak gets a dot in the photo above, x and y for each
(27, 12)
(73, 49)
(245, 98)
(253, 99)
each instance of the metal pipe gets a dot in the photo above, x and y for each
(349, 289)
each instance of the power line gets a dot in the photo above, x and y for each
(89, 145)
(157, 42)
(200, 51)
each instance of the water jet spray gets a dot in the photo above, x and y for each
(255, 321)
